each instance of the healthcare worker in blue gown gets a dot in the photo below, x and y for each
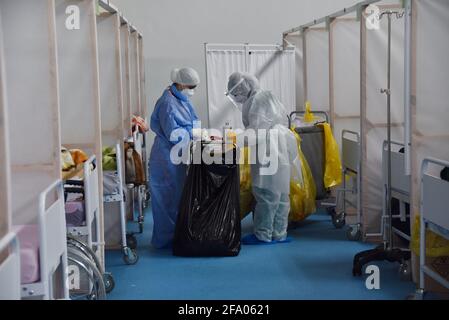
(172, 111)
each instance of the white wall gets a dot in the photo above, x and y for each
(175, 31)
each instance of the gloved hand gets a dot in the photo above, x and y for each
(205, 136)
(197, 134)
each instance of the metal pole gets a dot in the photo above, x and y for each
(390, 217)
(407, 85)
(387, 91)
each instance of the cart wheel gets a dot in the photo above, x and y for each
(354, 233)
(92, 297)
(130, 257)
(109, 282)
(146, 201)
(131, 241)
(338, 220)
(405, 271)
(140, 227)
(331, 211)
(418, 295)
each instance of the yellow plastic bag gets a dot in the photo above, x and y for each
(436, 246)
(246, 197)
(302, 196)
(333, 169)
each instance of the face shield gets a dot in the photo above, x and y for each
(236, 99)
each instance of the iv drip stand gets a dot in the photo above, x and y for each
(386, 251)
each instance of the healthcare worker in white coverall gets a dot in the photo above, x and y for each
(261, 110)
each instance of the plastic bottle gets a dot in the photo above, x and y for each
(227, 135)
(196, 130)
(308, 116)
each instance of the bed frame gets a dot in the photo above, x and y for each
(351, 157)
(10, 268)
(91, 206)
(400, 189)
(52, 249)
(434, 217)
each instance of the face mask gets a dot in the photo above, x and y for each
(236, 104)
(189, 92)
(240, 99)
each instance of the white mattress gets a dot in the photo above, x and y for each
(29, 253)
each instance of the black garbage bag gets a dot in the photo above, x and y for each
(208, 222)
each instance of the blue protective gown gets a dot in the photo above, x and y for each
(172, 111)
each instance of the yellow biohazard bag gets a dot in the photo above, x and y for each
(333, 168)
(247, 201)
(436, 246)
(302, 196)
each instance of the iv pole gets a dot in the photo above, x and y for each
(387, 92)
(386, 251)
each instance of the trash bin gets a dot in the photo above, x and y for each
(312, 145)
(208, 223)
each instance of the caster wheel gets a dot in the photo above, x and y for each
(109, 282)
(405, 271)
(331, 211)
(338, 221)
(131, 241)
(130, 257)
(418, 295)
(92, 297)
(354, 233)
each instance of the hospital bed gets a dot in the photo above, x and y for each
(90, 283)
(351, 164)
(400, 186)
(114, 192)
(434, 217)
(43, 249)
(10, 267)
(401, 191)
(143, 195)
(82, 215)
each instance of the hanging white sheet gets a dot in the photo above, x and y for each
(345, 79)
(430, 125)
(296, 41)
(317, 68)
(274, 68)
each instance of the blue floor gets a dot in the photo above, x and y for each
(316, 265)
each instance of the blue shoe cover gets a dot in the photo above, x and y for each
(251, 239)
(286, 240)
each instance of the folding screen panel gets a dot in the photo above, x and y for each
(274, 68)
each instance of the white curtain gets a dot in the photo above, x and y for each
(276, 72)
(317, 68)
(220, 65)
(274, 68)
(345, 99)
(430, 125)
(296, 40)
